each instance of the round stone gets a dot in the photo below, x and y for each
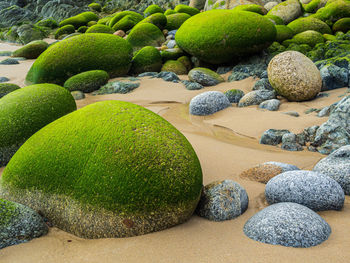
(208, 103)
(294, 76)
(287, 224)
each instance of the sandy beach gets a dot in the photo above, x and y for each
(226, 143)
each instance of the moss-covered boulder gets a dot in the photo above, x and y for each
(176, 20)
(147, 59)
(82, 29)
(186, 9)
(314, 5)
(6, 88)
(132, 16)
(288, 10)
(329, 37)
(309, 37)
(153, 9)
(31, 50)
(174, 66)
(126, 23)
(243, 33)
(100, 28)
(25, 111)
(309, 23)
(275, 19)
(169, 12)
(342, 25)
(79, 20)
(19, 224)
(82, 53)
(251, 8)
(64, 30)
(91, 23)
(95, 7)
(283, 33)
(157, 19)
(145, 34)
(123, 169)
(105, 20)
(205, 77)
(186, 61)
(333, 11)
(171, 54)
(47, 22)
(88, 81)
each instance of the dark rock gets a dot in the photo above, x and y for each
(205, 77)
(223, 70)
(287, 224)
(116, 87)
(289, 142)
(234, 95)
(311, 189)
(191, 85)
(148, 74)
(11, 15)
(262, 84)
(272, 136)
(222, 200)
(292, 113)
(256, 97)
(3, 79)
(168, 76)
(208, 103)
(9, 61)
(271, 105)
(334, 77)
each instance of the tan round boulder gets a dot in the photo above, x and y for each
(294, 76)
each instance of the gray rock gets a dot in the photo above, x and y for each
(116, 87)
(148, 74)
(191, 85)
(168, 76)
(312, 189)
(287, 224)
(272, 136)
(334, 77)
(171, 44)
(324, 112)
(234, 95)
(292, 113)
(310, 133)
(205, 77)
(256, 97)
(271, 105)
(289, 142)
(335, 132)
(28, 33)
(222, 200)
(61, 9)
(11, 15)
(262, 84)
(172, 33)
(3, 79)
(337, 166)
(9, 61)
(285, 166)
(255, 67)
(78, 95)
(223, 70)
(208, 103)
(19, 224)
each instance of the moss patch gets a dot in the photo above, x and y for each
(309, 23)
(6, 88)
(145, 34)
(176, 20)
(79, 20)
(31, 50)
(186, 9)
(153, 9)
(100, 28)
(87, 81)
(147, 59)
(174, 66)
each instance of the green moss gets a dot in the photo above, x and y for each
(217, 36)
(176, 20)
(312, 6)
(152, 9)
(145, 34)
(88, 81)
(302, 48)
(67, 29)
(95, 7)
(171, 54)
(147, 59)
(309, 23)
(82, 29)
(91, 23)
(25, 111)
(251, 8)
(329, 37)
(48, 22)
(8, 211)
(342, 25)
(288, 10)
(105, 20)
(186, 9)
(121, 157)
(283, 33)
(287, 42)
(174, 66)
(333, 11)
(157, 19)
(169, 12)
(126, 23)
(100, 28)
(186, 62)
(6, 88)
(79, 20)
(136, 17)
(82, 53)
(275, 49)
(309, 37)
(234, 95)
(31, 50)
(275, 19)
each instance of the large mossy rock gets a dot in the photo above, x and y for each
(82, 53)
(79, 20)
(31, 50)
(123, 170)
(148, 59)
(309, 23)
(288, 10)
(333, 11)
(217, 36)
(25, 111)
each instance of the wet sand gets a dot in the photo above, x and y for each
(226, 143)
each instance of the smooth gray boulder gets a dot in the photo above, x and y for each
(256, 97)
(208, 103)
(312, 189)
(271, 105)
(19, 224)
(222, 200)
(287, 224)
(337, 166)
(205, 76)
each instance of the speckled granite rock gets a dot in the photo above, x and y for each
(271, 105)
(9, 61)
(334, 77)
(272, 136)
(19, 224)
(337, 166)
(208, 103)
(289, 142)
(191, 85)
(222, 200)
(312, 189)
(294, 76)
(116, 87)
(262, 84)
(287, 224)
(205, 77)
(256, 97)
(262, 173)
